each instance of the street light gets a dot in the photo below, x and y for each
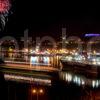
(41, 91)
(37, 92)
(34, 91)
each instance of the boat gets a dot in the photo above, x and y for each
(83, 67)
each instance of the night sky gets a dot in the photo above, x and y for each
(48, 18)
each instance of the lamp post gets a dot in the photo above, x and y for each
(37, 92)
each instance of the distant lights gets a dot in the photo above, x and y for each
(83, 82)
(91, 35)
(80, 81)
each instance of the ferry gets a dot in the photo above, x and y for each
(87, 68)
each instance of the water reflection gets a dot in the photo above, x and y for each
(26, 79)
(79, 80)
(32, 90)
(22, 91)
(3, 86)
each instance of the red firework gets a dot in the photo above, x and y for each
(4, 6)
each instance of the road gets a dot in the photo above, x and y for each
(27, 66)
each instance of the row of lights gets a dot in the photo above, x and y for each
(48, 51)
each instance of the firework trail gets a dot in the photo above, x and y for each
(5, 6)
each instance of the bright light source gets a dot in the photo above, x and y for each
(46, 60)
(34, 91)
(83, 82)
(41, 91)
(34, 60)
(98, 63)
(94, 62)
(69, 58)
(26, 50)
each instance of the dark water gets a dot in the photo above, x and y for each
(21, 91)
(11, 90)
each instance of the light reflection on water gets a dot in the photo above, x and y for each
(79, 80)
(26, 79)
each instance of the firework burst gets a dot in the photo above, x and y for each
(4, 11)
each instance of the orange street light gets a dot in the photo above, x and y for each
(41, 91)
(34, 91)
(37, 92)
